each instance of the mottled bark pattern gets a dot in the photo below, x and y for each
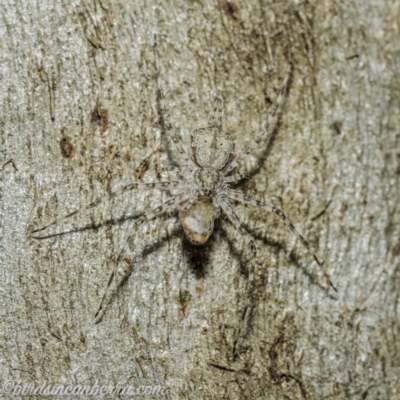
(186, 316)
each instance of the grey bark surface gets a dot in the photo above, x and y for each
(79, 114)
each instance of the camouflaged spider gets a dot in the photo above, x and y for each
(204, 187)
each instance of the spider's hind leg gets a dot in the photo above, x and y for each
(124, 253)
(227, 208)
(248, 200)
(243, 333)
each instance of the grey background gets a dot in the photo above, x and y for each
(81, 73)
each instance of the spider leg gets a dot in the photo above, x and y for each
(125, 248)
(254, 144)
(165, 120)
(217, 114)
(174, 170)
(146, 186)
(170, 172)
(248, 200)
(141, 169)
(189, 202)
(228, 210)
(234, 178)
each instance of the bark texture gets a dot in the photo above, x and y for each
(78, 116)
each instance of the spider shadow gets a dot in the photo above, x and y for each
(295, 259)
(264, 154)
(197, 256)
(248, 298)
(92, 226)
(149, 248)
(292, 257)
(198, 259)
(238, 255)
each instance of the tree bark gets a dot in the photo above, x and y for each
(80, 117)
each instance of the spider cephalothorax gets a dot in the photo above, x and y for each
(208, 181)
(212, 146)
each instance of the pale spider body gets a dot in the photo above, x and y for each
(204, 188)
(212, 148)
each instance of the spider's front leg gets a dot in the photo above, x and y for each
(255, 142)
(167, 185)
(165, 120)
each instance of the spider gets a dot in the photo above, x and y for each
(204, 188)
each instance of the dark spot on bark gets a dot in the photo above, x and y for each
(184, 299)
(39, 212)
(10, 162)
(231, 10)
(337, 126)
(396, 250)
(249, 60)
(128, 155)
(398, 164)
(353, 56)
(66, 146)
(100, 119)
(336, 388)
(267, 97)
(128, 260)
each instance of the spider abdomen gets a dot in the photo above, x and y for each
(198, 220)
